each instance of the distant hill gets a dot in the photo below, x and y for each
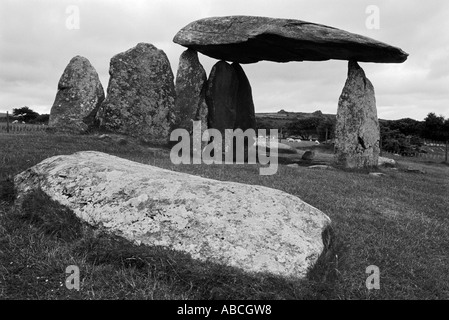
(2, 114)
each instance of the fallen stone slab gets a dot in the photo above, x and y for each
(415, 170)
(321, 167)
(377, 174)
(254, 228)
(249, 39)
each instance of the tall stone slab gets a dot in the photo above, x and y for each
(245, 114)
(221, 96)
(191, 81)
(79, 96)
(141, 95)
(357, 132)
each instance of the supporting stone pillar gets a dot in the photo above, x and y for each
(357, 133)
(229, 99)
(221, 96)
(190, 88)
(190, 104)
(245, 117)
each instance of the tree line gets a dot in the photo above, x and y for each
(396, 135)
(27, 115)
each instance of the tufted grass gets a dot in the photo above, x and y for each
(399, 223)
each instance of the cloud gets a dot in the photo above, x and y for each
(36, 46)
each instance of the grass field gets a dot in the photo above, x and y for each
(399, 222)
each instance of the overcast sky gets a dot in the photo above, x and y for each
(36, 46)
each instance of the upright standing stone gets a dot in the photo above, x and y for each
(357, 132)
(79, 96)
(221, 96)
(190, 87)
(141, 95)
(245, 114)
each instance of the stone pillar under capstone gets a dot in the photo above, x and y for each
(245, 117)
(229, 98)
(191, 80)
(357, 132)
(221, 96)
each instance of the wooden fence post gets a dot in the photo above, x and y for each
(447, 143)
(7, 121)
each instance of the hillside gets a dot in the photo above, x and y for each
(282, 120)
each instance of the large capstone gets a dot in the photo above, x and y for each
(190, 86)
(248, 39)
(221, 96)
(141, 95)
(254, 228)
(357, 132)
(79, 96)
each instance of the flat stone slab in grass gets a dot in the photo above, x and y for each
(249, 39)
(321, 167)
(254, 228)
(386, 161)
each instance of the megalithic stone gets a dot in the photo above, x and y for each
(190, 88)
(245, 115)
(79, 97)
(221, 96)
(141, 95)
(357, 132)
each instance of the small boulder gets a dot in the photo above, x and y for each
(386, 161)
(79, 97)
(377, 174)
(104, 137)
(308, 155)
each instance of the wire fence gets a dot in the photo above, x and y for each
(19, 128)
(431, 150)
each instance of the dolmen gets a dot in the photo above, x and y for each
(250, 39)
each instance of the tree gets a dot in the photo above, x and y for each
(42, 119)
(434, 127)
(304, 127)
(25, 114)
(326, 128)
